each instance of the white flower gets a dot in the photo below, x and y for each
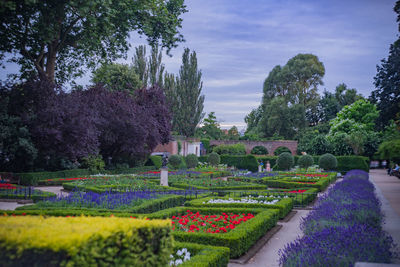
(178, 261)
(179, 252)
(187, 257)
(172, 263)
(184, 250)
(171, 256)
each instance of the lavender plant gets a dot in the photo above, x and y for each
(345, 227)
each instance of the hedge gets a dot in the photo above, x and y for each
(284, 205)
(34, 197)
(149, 206)
(24, 210)
(238, 240)
(101, 189)
(347, 163)
(248, 162)
(32, 178)
(204, 256)
(243, 187)
(277, 183)
(300, 199)
(38, 241)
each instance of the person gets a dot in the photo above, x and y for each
(268, 166)
(395, 169)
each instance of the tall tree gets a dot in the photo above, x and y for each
(117, 77)
(189, 102)
(387, 83)
(151, 69)
(56, 39)
(140, 64)
(210, 128)
(252, 119)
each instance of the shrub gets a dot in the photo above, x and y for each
(206, 144)
(75, 242)
(305, 161)
(259, 150)
(246, 162)
(175, 161)
(327, 162)
(347, 163)
(191, 161)
(204, 256)
(94, 163)
(214, 159)
(157, 161)
(236, 149)
(281, 150)
(285, 161)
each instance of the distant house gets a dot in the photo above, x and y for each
(179, 145)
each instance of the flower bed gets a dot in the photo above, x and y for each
(282, 203)
(238, 240)
(10, 191)
(203, 255)
(344, 228)
(195, 222)
(135, 202)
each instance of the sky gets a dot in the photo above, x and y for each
(239, 42)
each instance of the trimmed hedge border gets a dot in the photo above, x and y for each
(238, 240)
(320, 185)
(32, 178)
(204, 256)
(149, 206)
(284, 205)
(220, 188)
(122, 242)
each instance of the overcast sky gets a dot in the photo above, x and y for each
(238, 43)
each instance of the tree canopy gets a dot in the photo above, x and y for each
(57, 39)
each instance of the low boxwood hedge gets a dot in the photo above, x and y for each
(238, 240)
(149, 206)
(204, 256)
(281, 183)
(39, 241)
(284, 205)
(220, 188)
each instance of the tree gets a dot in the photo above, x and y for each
(188, 101)
(56, 39)
(252, 119)
(151, 69)
(210, 129)
(233, 133)
(117, 77)
(387, 83)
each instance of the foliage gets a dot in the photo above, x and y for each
(210, 128)
(281, 150)
(314, 143)
(234, 149)
(390, 150)
(285, 161)
(205, 255)
(186, 99)
(327, 162)
(157, 161)
(348, 163)
(74, 241)
(62, 38)
(191, 161)
(359, 116)
(233, 133)
(346, 221)
(259, 150)
(175, 161)
(214, 159)
(206, 144)
(252, 119)
(244, 162)
(387, 93)
(94, 163)
(17, 151)
(117, 77)
(338, 144)
(305, 161)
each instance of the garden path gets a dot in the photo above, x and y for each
(53, 189)
(388, 191)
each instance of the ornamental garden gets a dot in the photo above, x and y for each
(207, 215)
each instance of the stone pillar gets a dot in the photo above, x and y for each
(164, 176)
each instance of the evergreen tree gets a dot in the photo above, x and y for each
(188, 101)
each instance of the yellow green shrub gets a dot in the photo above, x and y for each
(56, 241)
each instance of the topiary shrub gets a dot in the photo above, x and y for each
(235, 149)
(175, 161)
(94, 163)
(156, 160)
(191, 161)
(285, 161)
(327, 162)
(259, 150)
(281, 150)
(214, 159)
(305, 161)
